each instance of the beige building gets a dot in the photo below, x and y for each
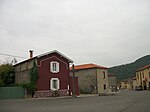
(134, 83)
(126, 84)
(123, 84)
(143, 77)
(92, 78)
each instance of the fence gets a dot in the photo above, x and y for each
(12, 92)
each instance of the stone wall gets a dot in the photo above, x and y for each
(49, 93)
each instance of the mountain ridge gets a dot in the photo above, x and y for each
(126, 71)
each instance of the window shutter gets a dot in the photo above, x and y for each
(51, 66)
(58, 86)
(57, 67)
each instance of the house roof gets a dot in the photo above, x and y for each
(55, 51)
(144, 67)
(44, 54)
(134, 78)
(88, 66)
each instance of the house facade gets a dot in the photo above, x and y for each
(112, 80)
(53, 74)
(143, 77)
(92, 78)
(134, 83)
(126, 84)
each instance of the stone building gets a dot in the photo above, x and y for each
(92, 78)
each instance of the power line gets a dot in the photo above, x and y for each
(12, 55)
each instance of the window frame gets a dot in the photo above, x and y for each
(104, 86)
(54, 67)
(52, 84)
(104, 75)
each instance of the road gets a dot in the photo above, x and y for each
(125, 101)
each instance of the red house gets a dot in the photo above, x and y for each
(53, 74)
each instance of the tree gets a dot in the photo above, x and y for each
(34, 74)
(33, 78)
(128, 70)
(7, 75)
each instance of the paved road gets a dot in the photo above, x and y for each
(125, 101)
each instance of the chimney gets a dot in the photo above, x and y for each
(31, 53)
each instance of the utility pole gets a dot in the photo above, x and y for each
(73, 82)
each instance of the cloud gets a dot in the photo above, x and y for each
(101, 31)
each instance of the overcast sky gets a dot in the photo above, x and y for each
(104, 32)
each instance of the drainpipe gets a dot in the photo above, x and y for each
(96, 82)
(73, 83)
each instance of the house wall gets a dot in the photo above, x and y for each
(112, 80)
(92, 80)
(129, 86)
(123, 85)
(45, 74)
(134, 84)
(86, 80)
(22, 71)
(143, 78)
(102, 80)
(126, 85)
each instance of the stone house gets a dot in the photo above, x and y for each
(92, 78)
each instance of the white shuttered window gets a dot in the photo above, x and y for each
(54, 67)
(54, 84)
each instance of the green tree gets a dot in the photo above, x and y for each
(34, 74)
(128, 70)
(33, 78)
(7, 75)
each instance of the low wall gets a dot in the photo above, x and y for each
(49, 93)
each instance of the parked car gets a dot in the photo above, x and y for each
(138, 88)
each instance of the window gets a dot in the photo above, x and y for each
(140, 76)
(104, 86)
(137, 76)
(54, 84)
(143, 74)
(104, 74)
(54, 67)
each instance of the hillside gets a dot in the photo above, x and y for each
(128, 70)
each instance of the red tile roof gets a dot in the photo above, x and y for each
(88, 66)
(134, 78)
(142, 68)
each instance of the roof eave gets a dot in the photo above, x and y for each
(55, 51)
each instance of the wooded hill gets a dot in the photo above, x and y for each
(128, 70)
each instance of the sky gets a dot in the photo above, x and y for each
(104, 32)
